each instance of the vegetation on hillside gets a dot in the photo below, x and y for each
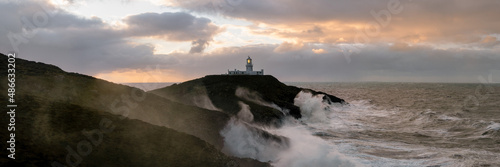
(57, 109)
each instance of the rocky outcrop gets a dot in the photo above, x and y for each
(269, 99)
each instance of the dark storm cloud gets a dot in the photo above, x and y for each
(457, 21)
(172, 26)
(88, 51)
(90, 46)
(175, 27)
(347, 10)
(25, 14)
(284, 10)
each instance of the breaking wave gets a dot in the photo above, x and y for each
(291, 145)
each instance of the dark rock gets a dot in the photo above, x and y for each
(221, 91)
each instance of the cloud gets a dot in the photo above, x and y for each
(456, 43)
(374, 63)
(325, 21)
(489, 41)
(171, 26)
(280, 10)
(90, 45)
(315, 30)
(400, 46)
(174, 27)
(289, 46)
(319, 51)
(198, 46)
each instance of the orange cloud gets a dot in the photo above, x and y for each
(489, 39)
(319, 51)
(418, 22)
(289, 46)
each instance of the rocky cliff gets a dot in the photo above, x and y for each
(266, 95)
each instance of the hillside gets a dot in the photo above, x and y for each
(53, 84)
(55, 107)
(179, 125)
(46, 129)
(222, 92)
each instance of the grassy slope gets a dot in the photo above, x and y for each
(45, 129)
(47, 85)
(53, 84)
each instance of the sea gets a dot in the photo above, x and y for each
(389, 124)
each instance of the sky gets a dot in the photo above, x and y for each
(127, 41)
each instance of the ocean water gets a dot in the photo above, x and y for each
(384, 124)
(413, 124)
(149, 86)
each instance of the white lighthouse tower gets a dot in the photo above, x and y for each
(249, 64)
(249, 70)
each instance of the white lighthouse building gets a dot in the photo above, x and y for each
(249, 70)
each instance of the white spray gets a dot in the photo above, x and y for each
(244, 140)
(297, 148)
(256, 98)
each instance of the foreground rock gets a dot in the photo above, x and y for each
(58, 111)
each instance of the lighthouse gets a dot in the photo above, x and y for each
(248, 71)
(249, 64)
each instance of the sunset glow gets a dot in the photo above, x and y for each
(438, 41)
